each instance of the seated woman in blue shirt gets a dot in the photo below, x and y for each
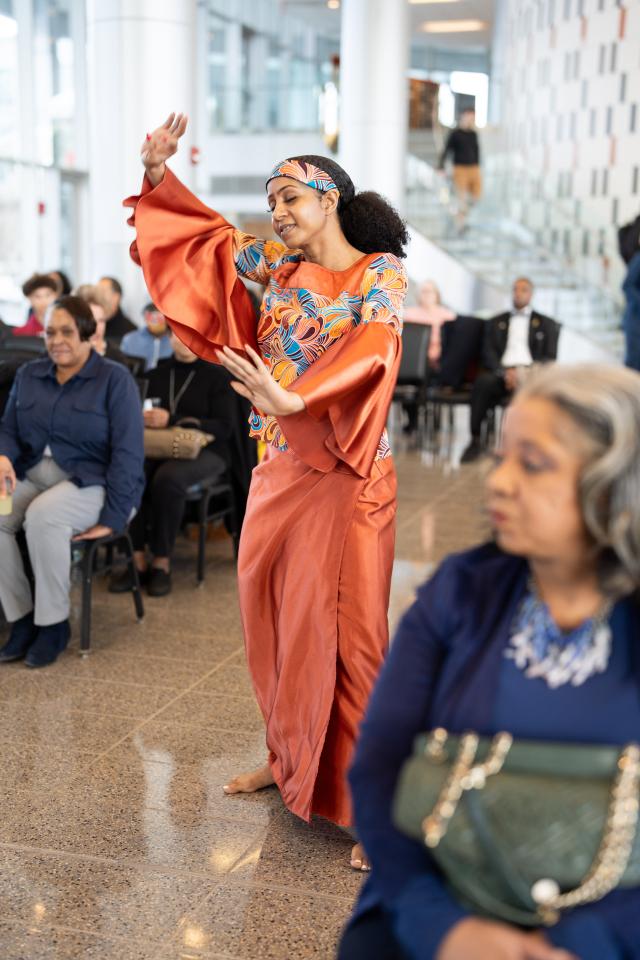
(564, 500)
(71, 454)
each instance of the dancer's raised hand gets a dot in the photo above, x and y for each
(162, 144)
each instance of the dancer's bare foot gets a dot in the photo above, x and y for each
(250, 782)
(359, 859)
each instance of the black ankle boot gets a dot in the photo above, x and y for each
(23, 634)
(123, 582)
(159, 582)
(49, 644)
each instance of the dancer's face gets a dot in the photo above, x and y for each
(298, 212)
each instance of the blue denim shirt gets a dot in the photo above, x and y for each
(142, 343)
(92, 423)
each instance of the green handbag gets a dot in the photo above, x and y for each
(523, 830)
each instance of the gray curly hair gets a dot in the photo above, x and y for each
(604, 403)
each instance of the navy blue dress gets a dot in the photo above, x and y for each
(447, 668)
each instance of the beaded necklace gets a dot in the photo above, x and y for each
(539, 648)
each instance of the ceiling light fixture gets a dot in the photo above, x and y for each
(453, 26)
(333, 4)
(416, 2)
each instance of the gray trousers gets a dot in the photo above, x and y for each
(52, 510)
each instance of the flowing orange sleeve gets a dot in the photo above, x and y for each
(187, 254)
(347, 393)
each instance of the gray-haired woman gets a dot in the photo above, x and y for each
(537, 634)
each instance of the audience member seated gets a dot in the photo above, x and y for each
(152, 342)
(40, 290)
(63, 284)
(512, 341)
(432, 313)
(92, 295)
(190, 391)
(71, 453)
(118, 323)
(536, 634)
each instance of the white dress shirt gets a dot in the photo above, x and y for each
(517, 352)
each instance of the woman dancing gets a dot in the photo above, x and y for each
(319, 368)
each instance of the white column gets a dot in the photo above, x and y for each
(141, 66)
(374, 95)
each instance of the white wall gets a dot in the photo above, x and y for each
(570, 107)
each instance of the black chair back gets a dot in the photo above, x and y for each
(461, 350)
(415, 344)
(143, 387)
(35, 346)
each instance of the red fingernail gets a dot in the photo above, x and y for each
(148, 136)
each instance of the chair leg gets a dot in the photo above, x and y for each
(136, 591)
(203, 510)
(88, 562)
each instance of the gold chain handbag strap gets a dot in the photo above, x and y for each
(616, 846)
(464, 775)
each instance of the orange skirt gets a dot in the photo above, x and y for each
(314, 573)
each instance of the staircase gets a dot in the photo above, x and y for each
(495, 248)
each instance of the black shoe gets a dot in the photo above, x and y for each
(123, 582)
(49, 644)
(23, 634)
(159, 582)
(473, 451)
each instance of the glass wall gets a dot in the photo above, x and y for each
(262, 79)
(42, 144)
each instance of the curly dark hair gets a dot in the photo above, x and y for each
(37, 281)
(80, 310)
(368, 221)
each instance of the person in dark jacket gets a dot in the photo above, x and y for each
(512, 341)
(118, 323)
(562, 576)
(463, 146)
(92, 295)
(71, 456)
(190, 391)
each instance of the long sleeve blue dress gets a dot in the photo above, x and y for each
(447, 668)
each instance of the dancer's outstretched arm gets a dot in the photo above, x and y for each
(158, 146)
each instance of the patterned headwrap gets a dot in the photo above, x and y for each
(304, 172)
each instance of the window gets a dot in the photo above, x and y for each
(609, 120)
(584, 96)
(602, 58)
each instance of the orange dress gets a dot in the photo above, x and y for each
(317, 544)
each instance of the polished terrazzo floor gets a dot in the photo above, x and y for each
(116, 841)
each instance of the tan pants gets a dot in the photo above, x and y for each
(467, 181)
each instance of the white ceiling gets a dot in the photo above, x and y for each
(326, 21)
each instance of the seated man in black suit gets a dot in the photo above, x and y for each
(511, 341)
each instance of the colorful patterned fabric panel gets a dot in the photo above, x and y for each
(297, 325)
